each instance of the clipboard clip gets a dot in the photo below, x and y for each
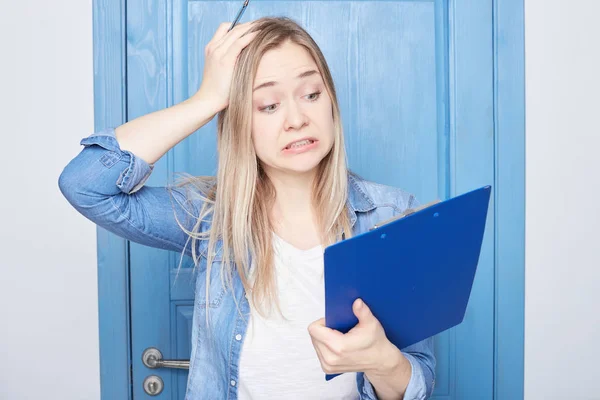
(406, 212)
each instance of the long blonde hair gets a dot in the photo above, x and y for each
(238, 200)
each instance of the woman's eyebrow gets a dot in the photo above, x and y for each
(303, 75)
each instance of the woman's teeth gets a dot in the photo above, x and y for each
(300, 143)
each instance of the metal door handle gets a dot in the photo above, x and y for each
(153, 358)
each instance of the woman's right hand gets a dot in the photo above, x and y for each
(220, 56)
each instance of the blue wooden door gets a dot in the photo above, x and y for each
(415, 84)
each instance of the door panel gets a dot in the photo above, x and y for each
(415, 87)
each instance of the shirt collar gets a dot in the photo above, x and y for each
(358, 199)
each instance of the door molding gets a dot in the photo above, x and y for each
(509, 147)
(110, 110)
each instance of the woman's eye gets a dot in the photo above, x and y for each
(314, 96)
(273, 107)
(270, 108)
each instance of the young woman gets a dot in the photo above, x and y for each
(257, 230)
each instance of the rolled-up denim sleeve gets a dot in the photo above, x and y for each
(107, 186)
(422, 378)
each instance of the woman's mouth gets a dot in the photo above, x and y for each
(299, 143)
(300, 146)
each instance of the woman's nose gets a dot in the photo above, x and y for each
(295, 117)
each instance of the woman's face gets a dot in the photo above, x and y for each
(292, 123)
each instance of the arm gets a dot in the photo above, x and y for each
(106, 185)
(152, 135)
(105, 182)
(388, 373)
(149, 137)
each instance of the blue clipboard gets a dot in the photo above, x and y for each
(415, 272)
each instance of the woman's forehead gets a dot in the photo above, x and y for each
(284, 62)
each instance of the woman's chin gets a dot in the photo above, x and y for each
(299, 169)
(304, 164)
(305, 167)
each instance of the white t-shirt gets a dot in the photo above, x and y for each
(278, 360)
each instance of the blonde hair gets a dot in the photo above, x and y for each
(238, 200)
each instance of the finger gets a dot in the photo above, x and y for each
(219, 34)
(363, 312)
(241, 26)
(235, 49)
(319, 349)
(313, 329)
(236, 33)
(358, 339)
(335, 342)
(368, 330)
(344, 358)
(334, 358)
(320, 332)
(325, 356)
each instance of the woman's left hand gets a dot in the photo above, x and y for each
(365, 348)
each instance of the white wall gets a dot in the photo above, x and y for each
(48, 286)
(562, 312)
(48, 289)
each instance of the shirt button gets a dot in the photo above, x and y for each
(238, 337)
(232, 382)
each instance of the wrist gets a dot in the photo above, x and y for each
(391, 361)
(205, 103)
(199, 109)
(392, 375)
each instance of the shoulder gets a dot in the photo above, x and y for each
(381, 195)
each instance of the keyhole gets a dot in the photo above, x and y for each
(153, 385)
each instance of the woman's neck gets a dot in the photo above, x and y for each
(292, 215)
(293, 193)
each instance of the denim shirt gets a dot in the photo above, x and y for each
(106, 185)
